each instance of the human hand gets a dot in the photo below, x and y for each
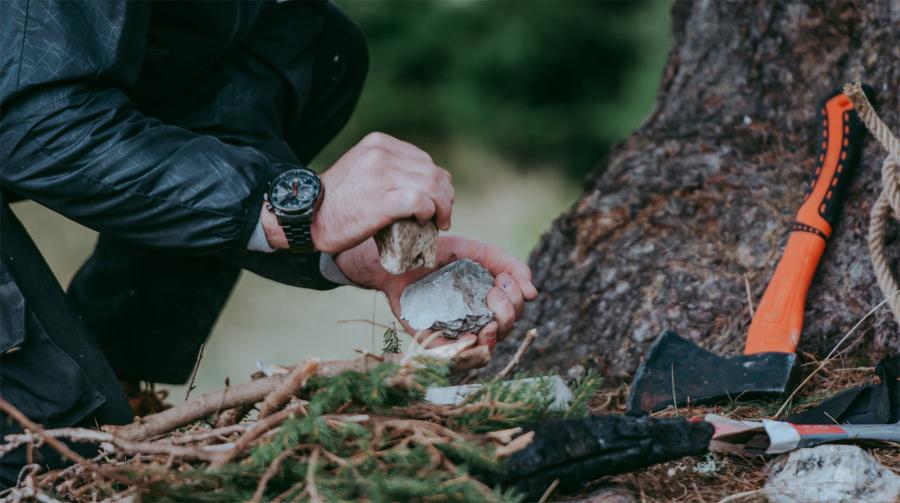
(512, 281)
(377, 182)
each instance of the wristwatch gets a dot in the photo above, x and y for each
(293, 197)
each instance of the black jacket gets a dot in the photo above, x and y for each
(158, 123)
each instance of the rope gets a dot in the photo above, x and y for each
(888, 203)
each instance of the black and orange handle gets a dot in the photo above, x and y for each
(778, 322)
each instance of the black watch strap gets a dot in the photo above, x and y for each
(299, 237)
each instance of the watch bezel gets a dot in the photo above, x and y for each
(305, 210)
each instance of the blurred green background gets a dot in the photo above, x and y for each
(517, 99)
(540, 83)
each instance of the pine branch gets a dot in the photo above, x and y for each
(254, 391)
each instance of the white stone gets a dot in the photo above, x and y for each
(452, 299)
(833, 473)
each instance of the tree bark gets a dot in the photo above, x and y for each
(704, 193)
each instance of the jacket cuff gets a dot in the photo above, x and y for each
(250, 213)
(258, 241)
(327, 266)
(332, 272)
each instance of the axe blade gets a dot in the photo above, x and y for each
(677, 371)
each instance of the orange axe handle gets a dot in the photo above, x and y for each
(778, 322)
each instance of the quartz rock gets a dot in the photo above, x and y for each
(406, 245)
(452, 299)
(834, 473)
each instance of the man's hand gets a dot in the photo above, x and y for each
(512, 280)
(377, 182)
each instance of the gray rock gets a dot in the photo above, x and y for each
(452, 299)
(833, 473)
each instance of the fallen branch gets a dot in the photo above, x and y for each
(199, 407)
(290, 387)
(257, 390)
(200, 436)
(232, 416)
(85, 435)
(54, 443)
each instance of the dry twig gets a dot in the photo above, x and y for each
(54, 443)
(517, 357)
(258, 429)
(270, 472)
(191, 386)
(291, 386)
(311, 477)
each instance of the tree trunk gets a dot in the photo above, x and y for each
(704, 193)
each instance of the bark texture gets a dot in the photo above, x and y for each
(703, 194)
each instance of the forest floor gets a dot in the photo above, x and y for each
(274, 456)
(710, 478)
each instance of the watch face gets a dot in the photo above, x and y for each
(294, 191)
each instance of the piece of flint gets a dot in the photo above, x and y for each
(406, 245)
(578, 451)
(452, 299)
(677, 371)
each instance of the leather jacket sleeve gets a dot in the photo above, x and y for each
(71, 139)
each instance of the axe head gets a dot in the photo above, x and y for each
(677, 371)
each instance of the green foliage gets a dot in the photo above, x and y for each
(542, 82)
(380, 464)
(582, 391)
(391, 341)
(499, 405)
(507, 404)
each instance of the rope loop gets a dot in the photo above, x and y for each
(887, 206)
